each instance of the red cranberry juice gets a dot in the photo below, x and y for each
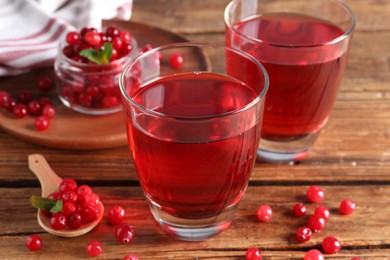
(188, 168)
(303, 81)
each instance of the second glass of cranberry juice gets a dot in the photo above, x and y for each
(193, 132)
(304, 47)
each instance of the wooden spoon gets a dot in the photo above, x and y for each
(49, 183)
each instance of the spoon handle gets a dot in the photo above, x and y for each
(48, 179)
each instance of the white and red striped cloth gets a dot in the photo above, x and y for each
(31, 29)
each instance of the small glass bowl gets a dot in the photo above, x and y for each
(91, 89)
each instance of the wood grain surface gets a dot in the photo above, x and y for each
(351, 159)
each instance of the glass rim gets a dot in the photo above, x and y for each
(338, 39)
(259, 97)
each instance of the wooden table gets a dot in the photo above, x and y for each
(351, 159)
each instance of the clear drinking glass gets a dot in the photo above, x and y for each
(304, 47)
(193, 133)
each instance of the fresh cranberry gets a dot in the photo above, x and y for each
(67, 184)
(84, 99)
(90, 199)
(125, 37)
(347, 207)
(117, 43)
(83, 31)
(44, 83)
(93, 38)
(112, 31)
(323, 211)
(9, 104)
(356, 258)
(83, 190)
(331, 245)
(303, 234)
(316, 222)
(44, 101)
(93, 91)
(94, 248)
(58, 221)
(42, 123)
(20, 110)
(34, 242)
(264, 213)
(25, 96)
(124, 233)
(314, 254)
(299, 210)
(74, 221)
(115, 215)
(49, 111)
(126, 49)
(130, 257)
(69, 196)
(34, 108)
(68, 51)
(55, 196)
(68, 208)
(110, 101)
(4, 96)
(72, 38)
(88, 213)
(176, 60)
(253, 253)
(315, 193)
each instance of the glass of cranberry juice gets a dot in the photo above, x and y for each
(193, 124)
(304, 47)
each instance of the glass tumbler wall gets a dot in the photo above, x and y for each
(304, 47)
(193, 133)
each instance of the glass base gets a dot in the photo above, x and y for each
(286, 151)
(91, 111)
(193, 229)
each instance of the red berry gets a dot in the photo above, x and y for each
(88, 213)
(316, 222)
(9, 104)
(112, 31)
(130, 257)
(331, 245)
(20, 110)
(44, 84)
(44, 101)
(356, 258)
(83, 190)
(125, 37)
(55, 196)
(58, 221)
(42, 123)
(126, 49)
(124, 233)
(34, 242)
(69, 196)
(49, 111)
(176, 60)
(72, 38)
(347, 207)
(264, 213)
(34, 108)
(67, 184)
(110, 101)
(68, 208)
(315, 193)
(93, 38)
(303, 234)
(323, 211)
(115, 215)
(94, 248)
(314, 254)
(253, 253)
(68, 51)
(74, 221)
(299, 210)
(4, 97)
(117, 43)
(25, 96)
(90, 199)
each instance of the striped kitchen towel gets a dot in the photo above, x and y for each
(31, 29)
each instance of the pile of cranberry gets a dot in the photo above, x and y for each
(88, 84)
(24, 104)
(80, 205)
(315, 223)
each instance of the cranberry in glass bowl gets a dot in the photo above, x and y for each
(88, 67)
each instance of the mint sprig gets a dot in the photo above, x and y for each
(100, 56)
(54, 206)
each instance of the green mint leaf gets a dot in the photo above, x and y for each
(52, 205)
(101, 56)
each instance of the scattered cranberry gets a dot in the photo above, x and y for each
(115, 215)
(253, 253)
(58, 221)
(176, 60)
(44, 83)
(34, 108)
(130, 257)
(315, 193)
(42, 123)
(94, 248)
(4, 97)
(299, 210)
(323, 211)
(25, 96)
(124, 233)
(34, 242)
(49, 111)
(20, 110)
(331, 245)
(67, 184)
(264, 213)
(303, 234)
(316, 222)
(44, 101)
(314, 254)
(347, 207)
(9, 104)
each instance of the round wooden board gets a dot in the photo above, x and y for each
(70, 129)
